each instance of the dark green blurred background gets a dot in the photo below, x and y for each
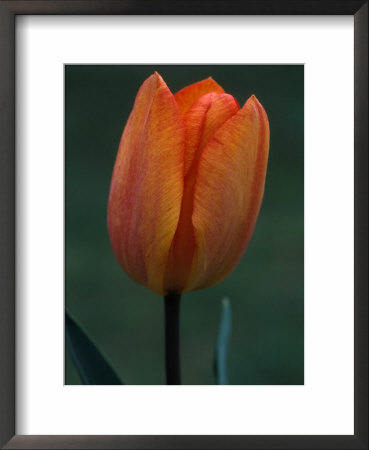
(267, 287)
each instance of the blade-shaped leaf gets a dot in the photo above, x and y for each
(222, 344)
(91, 365)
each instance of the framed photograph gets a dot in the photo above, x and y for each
(184, 225)
(278, 263)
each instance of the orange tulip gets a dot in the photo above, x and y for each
(187, 185)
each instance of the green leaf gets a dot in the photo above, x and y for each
(91, 365)
(222, 344)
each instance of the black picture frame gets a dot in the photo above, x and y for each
(8, 12)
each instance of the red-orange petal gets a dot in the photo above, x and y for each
(187, 96)
(202, 120)
(228, 194)
(147, 185)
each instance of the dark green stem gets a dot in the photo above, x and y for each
(172, 356)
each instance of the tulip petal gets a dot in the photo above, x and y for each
(202, 120)
(228, 194)
(187, 96)
(147, 185)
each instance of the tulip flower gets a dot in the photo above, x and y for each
(187, 185)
